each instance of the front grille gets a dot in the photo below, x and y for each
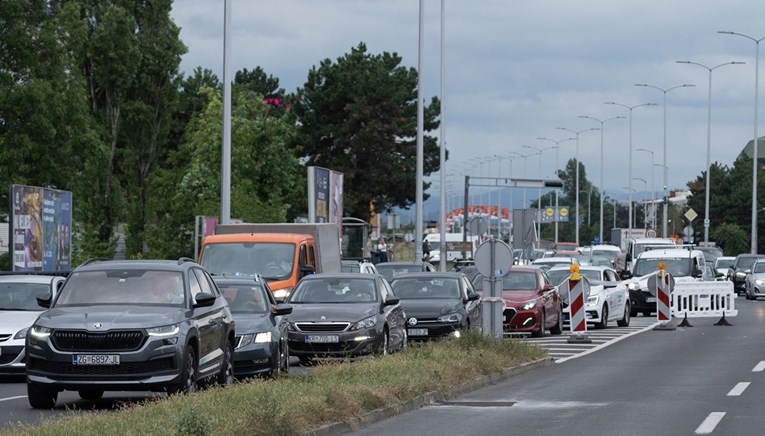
(4, 337)
(88, 341)
(321, 348)
(65, 369)
(9, 354)
(326, 327)
(509, 314)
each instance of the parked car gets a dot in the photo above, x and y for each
(392, 269)
(261, 327)
(741, 267)
(358, 266)
(723, 263)
(608, 300)
(710, 253)
(755, 281)
(145, 325)
(345, 315)
(18, 311)
(548, 262)
(437, 304)
(532, 303)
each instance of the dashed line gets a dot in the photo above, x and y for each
(709, 424)
(760, 367)
(738, 389)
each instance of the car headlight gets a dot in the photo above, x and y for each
(366, 323)
(167, 330)
(282, 294)
(21, 334)
(757, 282)
(262, 338)
(633, 286)
(450, 318)
(40, 332)
(530, 305)
(740, 274)
(244, 340)
(291, 327)
(592, 300)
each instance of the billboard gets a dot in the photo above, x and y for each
(325, 197)
(41, 229)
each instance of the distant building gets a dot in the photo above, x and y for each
(747, 151)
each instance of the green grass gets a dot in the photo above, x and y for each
(299, 404)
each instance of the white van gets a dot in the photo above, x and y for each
(434, 239)
(635, 246)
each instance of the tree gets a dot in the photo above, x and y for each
(358, 115)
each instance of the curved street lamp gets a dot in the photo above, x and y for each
(577, 133)
(653, 197)
(557, 148)
(709, 139)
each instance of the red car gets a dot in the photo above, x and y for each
(532, 303)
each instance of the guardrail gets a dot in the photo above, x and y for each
(703, 299)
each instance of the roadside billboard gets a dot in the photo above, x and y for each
(41, 229)
(325, 197)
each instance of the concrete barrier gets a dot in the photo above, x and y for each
(703, 299)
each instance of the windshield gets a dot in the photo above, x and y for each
(245, 298)
(132, 286)
(334, 290)
(759, 267)
(710, 253)
(272, 260)
(391, 271)
(513, 281)
(677, 267)
(411, 288)
(745, 262)
(724, 263)
(558, 276)
(639, 248)
(22, 296)
(608, 254)
(350, 267)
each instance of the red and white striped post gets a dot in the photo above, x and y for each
(576, 299)
(663, 289)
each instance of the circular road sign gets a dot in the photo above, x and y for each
(503, 258)
(478, 226)
(564, 211)
(650, 233)
(549, 212)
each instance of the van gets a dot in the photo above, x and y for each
(635, 246)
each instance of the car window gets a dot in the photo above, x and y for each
(194, 285)
(22, 296)
(383, 289)
(246, 298)
(332, 290)
(204, 285)
(759, 267)
(123, 286)
(427, 288)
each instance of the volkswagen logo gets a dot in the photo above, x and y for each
(97, 325)
(323, 318)
(412, 321)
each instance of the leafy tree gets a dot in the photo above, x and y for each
(731, 238)
(358, 115)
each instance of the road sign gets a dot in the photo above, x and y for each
(691, 215)
(478, 226)
(459, 246)
(706, 222)
(650, 233)
(503, 258)
(563, 211)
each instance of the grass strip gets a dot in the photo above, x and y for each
(299, 404)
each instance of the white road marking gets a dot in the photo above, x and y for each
(760, 367)
(709, 424)
(592, 350)
(12, 398)
(738, 389)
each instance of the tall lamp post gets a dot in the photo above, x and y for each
(653, 197)
(539, 191)
(666, 168)
(755, 142)
(602, 165)
(645, 186)
(709, 139)
(557, 148)
(577, 133)
(630, 155)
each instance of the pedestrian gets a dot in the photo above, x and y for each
(426, 250)
(382, 247)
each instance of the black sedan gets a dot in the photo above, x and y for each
(261, 328)
(345, 315)
(391, 270)
(437, 304)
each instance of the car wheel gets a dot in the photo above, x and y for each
(633, 312)
(557, 328)
(40, 397)
(226, 375)
(603, 318)
(188, 380)
(647, 313)
(540, 332)
(91, 395)
(405, 341)
(383, 350)
(625, 321)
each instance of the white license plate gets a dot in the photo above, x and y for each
(95, 359)
(650, 299)
(322, 339)
(417, 332)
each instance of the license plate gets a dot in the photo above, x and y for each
(417, 332)
(322, 339)
(95, 359)
(650, 299)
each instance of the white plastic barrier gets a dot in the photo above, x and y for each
(703, 299)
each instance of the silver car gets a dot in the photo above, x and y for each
(754, 287)
(18, 310)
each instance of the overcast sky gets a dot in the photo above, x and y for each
(516, 70)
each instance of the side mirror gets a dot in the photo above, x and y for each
(628, 257)
(719, 274)
(282, 309)
(391, 301)
(204, 299)
(626, 275)
(747, 271)
(44, 300)
(547, 288)
(472, 297)
(307, 270)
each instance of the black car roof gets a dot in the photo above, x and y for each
(341, 275)
(161, 264)
(430, 275)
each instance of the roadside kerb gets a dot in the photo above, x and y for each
(426, 399)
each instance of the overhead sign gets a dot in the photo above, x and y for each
(691, 215)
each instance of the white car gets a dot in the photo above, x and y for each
(608, 299)
(18, 311)
(358, 266)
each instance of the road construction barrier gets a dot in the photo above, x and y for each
(704, 299)
(576, 289)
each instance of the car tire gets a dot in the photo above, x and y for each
(286, 360)
(188, 379)
(41, 398)
(383, 350)
(405, 341)
(625, 321)
(647, 313)
(557, 328)
(226, 375)
(603, 318)
(91, 395)
(540, 333)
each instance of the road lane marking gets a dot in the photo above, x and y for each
(12, 398)
(592, 350)
(709, 424)
(760, 367)
(738, 389)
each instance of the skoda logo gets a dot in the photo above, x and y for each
(412, 321)
(97, 325)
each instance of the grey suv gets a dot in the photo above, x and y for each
(141, 325)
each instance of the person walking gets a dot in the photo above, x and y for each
(382, 247)
(426, 250)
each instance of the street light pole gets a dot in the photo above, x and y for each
(602, 165)
(645, 186)
(630, 155)
(755, 141)
(577, 173)
(653, 199)
(707, 223)
(666, 167)
(539, 191)
(442, 149)
(557, 148)
(418, 212)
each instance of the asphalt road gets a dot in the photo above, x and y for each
(698, 380)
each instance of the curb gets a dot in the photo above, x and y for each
(426, 399)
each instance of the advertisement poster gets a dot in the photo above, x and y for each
(41, 229)
(321, 183)
(336, 204)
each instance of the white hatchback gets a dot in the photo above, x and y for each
(609, 298)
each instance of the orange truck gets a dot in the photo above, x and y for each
(280, 253)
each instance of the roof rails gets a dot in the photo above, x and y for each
(95, 259)
(182, 260)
